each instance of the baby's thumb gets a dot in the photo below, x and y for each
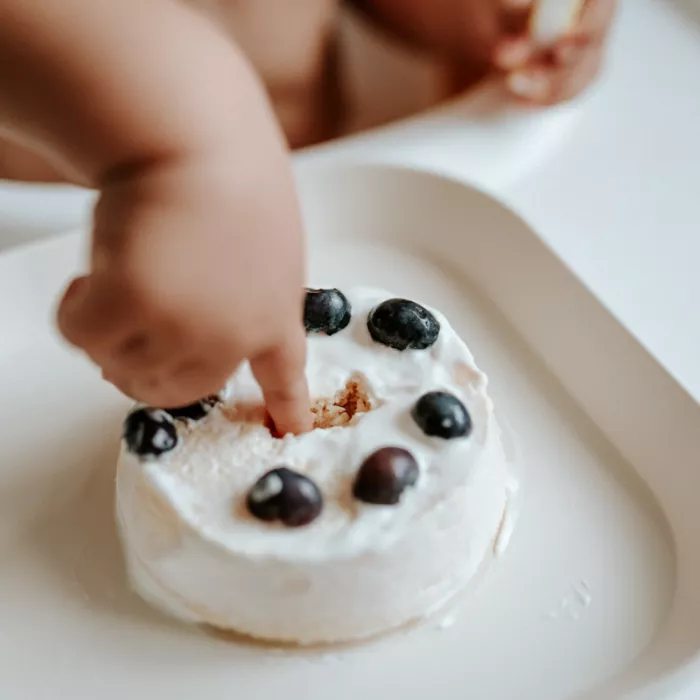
(88, 315)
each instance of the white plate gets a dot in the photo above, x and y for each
(598, 592)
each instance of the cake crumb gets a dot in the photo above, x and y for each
(339, 410)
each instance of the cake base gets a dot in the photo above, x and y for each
(197, 549)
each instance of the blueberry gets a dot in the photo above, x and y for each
(326, 311)
(385, 475)
(402, 324)
(149, 432)
(442, 415)
(194, 411)
(285, 495)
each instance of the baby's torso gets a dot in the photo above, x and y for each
(290, 43)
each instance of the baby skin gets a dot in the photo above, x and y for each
(181, 116)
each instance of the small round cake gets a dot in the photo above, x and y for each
(374, 519)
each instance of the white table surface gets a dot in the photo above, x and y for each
(612, 182)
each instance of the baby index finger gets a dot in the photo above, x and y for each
(281, 375)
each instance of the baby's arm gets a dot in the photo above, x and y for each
(197, 259)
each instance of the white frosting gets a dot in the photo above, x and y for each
(358, 569)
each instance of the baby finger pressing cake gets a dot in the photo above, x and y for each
(374, 519)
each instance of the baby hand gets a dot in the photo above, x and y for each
(196, 267)
(556, 73)
(474, 37)
(197, 259)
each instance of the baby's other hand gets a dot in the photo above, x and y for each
(195, 267)
(477, 37)
(559, 72)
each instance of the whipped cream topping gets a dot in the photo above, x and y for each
(208, 476)
(187, 507)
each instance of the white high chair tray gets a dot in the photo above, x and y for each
(597, 594)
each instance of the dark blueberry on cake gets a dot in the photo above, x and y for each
(402, 324)
(326, 311)
(149, 432)
(442, 415)
(194, 411)
(385, 475)
(285, 495)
